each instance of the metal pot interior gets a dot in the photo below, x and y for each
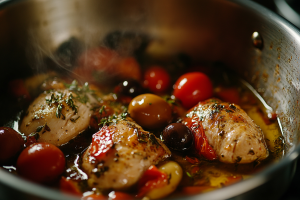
(208, 31)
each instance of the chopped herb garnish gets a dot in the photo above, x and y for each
(124, 115)
(35, 135)
(74, 120)
(39, 128)
(189, 175)
(101, 110)
(170, 99)
(58, 111)
(70, 103)
(81, 92)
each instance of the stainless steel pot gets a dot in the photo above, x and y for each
(260, 46)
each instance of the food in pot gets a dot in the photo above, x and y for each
(225, 132)
(124, 136)
(58, 116)
(120, 153)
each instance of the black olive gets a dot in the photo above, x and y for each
(177, 136)
(130, 87)
(126, 43)
(65, 56)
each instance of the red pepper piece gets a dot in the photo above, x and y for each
(201, 143)
(151, 179)
(192, 160)
(102, 143)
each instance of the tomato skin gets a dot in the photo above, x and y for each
(193, 87)
(157, 79)
(17, 89)
(11, 144)
(41, 162)
(68, 186)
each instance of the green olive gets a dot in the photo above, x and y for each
(174, 171)
(150, 111)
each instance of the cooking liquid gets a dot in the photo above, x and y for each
(205, 175)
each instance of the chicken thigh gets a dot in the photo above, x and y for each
(120, 154)
(57, 116)
(224, 131)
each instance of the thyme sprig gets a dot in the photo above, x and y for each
(81, 92)
(112, 119)
(58, 101)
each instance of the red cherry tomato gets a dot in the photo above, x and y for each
(11, 143)
(69, 186)
(128, 67)
(96, 65)
(17, 89)
(157, 79)
(102, 66)
(41, 162)
(193, 87)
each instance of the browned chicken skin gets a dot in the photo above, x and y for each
(230, 132)
(132, 153)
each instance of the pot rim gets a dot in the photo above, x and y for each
(256, 180)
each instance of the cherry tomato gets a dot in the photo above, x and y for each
(69, 186)
(103, 66)
(41, 162)
(193, 87)
(96, 65)
(128, 68)
(18, 89)
(11, 143)
(157, 79)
